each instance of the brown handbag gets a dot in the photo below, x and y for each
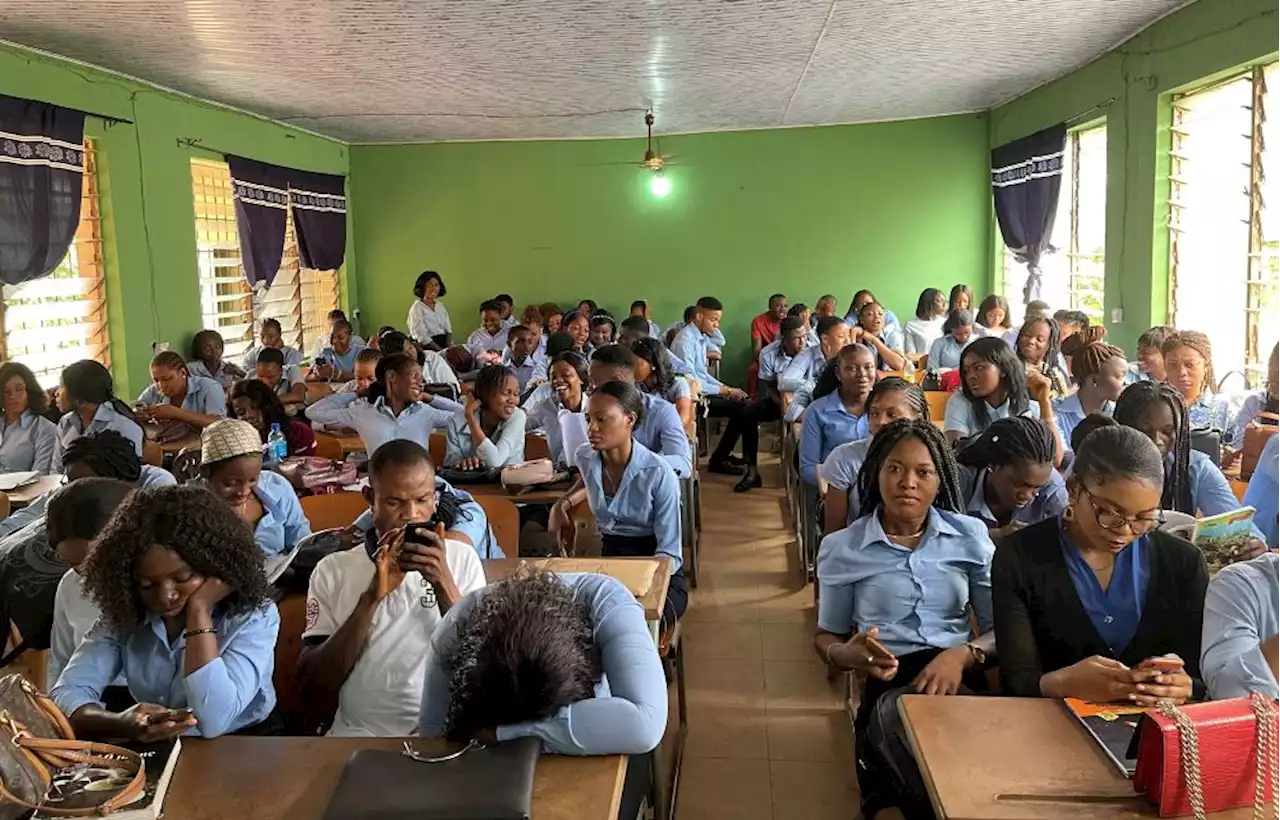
(1256, 436)
(36, 743)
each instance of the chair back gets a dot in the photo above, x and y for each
(1208, 442)
(6, 506)
(436, 447)
(328, 447)
(937, 404)
(536, 446)
(333, 510)
(1256, 437)
(293, 620)
(152, 453)
(504, 519)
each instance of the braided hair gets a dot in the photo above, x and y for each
(829, 380)
(948, 495)
(388, 363)
(893, 384)
(1016, 438)
(1198, 342)
(490, 380)
(1089, 352)
(652, 351)
(1052, 350)
(1134, 402)
(1013, 376)
(107, 454)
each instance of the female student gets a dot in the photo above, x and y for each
(1099, 604)
(337, 361)
(1240, 646)
(393, 407)
(838, 412)
(270, 336)
(579, 327)
(568, 394)
(88, 395)
(1007, 479)
(891, 399)
(931, 313)
(1100, 371)
(1262, 401)
(1188, 362)
(1038, 349)
(186, 618)
(874, 332)
(28, 440)
(957, 332)
(428, 319)
(285, 380)
(993, 385)
(1150, 363)
(654, 375)
(254, 402)
(551, 318)
(489, 432)
(206, 359)
(633, 492)
(961, 298)
(993, 316)
(903, 620)
(603, 330)
(861, 298)
(179, 396)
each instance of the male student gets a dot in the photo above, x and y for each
(660, 430)
(506, 307)
(371, 610)
(694, 344)
(335, 316)
(634, 328)
(803, 370)
(491, 335)
(336, 363)
(764, 327)
(522, 358)
(365, 373)
(285, 379)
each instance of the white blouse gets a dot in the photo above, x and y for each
(425, 322)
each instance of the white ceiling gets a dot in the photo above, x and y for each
(418, 70)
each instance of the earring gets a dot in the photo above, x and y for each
(1069, 514)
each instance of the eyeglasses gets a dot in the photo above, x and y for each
(1114, 521)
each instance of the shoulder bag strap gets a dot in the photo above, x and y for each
(60, 754)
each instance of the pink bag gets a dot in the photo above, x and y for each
(320, 475)
(530, 474)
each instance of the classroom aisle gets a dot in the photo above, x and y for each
(768, 735)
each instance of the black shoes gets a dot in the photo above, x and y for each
(749, 482)
(724, 467)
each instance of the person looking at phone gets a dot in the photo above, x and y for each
(337, 361)
(178, 396)
(186, 618)
(371, 611)
(1099, 604)
(1007, 477)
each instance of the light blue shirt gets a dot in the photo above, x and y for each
(827, 424)
(223, 377)
(917, 598)
(283, 523)
(773, 361)
(344, 362)
(504, 447)
(292, 356)
(628, 713)
(662, 432)
(679, 366)
(1249, 411)
(376, 424)
(471, 522)
(28, 444)
(533, 369)
(800, 401)
(151, 477)
(945, 352)
(1240, 612)
(106, 417)
(1211, 412)
(1048, 503)
(203, 396)
(802, 371)
(890, 319)
(840, 471)
(891, 336)
(647, 501)
(323, 348)
(692, 345)
(481, 340)
(678, 390)
(544, 416)
(1264, 492)
(1210, 491)
(1069, 414)
(231, 692)
(959, 415)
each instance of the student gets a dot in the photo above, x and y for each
(1263, 493)
(437, 376)
(1262, 401)
(491, 335)
(957, 332)
(391, 408)
(285, 380)
(522, 359)
(557, 344)
(565, 658)
(891, 399)
(1007, 480)
(488, 433)
(588, 308)
(805, 367)
(884, 339)
(1150, 363)
(634, 495)
(255, 403)
(694, 344)
(28, 440)
(507, 304)
(825, 306)
(775, 357)
(920, 333)
(1071, 322)
(271, 336)
(1099, 369)
(428, 318)
(1099, 604)
(640, 308)
(1038, 348)
(659, 428)
(77, 515)
(579, 328)
(801, 311)
(178, 396)
(635, 328)
(185, 615)
(764, 327)
(89, 395)
(860, 299)
(838, 412)
(993, 386)
(337, 362)
(669, 335)
(961, 298)
(551, 319)
(568, 394)
(1239, 643)
(206, 359)
(654, 375)
(371, 611)
(993, 316)
(326, 341)
(531, 318)
(603, 331)
(365, 372)
(1091, 422)
(1036, 309)
(903, 622)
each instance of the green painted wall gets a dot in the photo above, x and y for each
(895, 207)
(1134, 84)
(145, 179)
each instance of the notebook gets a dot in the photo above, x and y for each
(1112, 726)
(12, 481)
(160, 759)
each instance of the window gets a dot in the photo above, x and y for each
(300, 298)
(1224, 268)
(1072, 276)
(50, 322)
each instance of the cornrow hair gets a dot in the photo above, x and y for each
(1117, 451)
(1089, 352)
(169, 359)
(1198, 342)
(1133, 403)
(107, 453)
(652, 351)
(1007, 440)
(944, 461)
(1012, 374)
(829, 379)
(1091, 422)
(1053, 350)
(893, 384)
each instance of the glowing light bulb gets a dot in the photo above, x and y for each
(660, 185)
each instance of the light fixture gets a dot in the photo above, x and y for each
(660, 185)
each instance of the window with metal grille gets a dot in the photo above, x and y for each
(61, 318)
(1072, 276)
(300, 298)
(1224, 264)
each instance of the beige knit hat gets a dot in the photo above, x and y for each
(229, 438)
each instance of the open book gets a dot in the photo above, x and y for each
(12, 481)
(1219, 537)
(1112, 726)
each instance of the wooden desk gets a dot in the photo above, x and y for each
(181, 444)
(1017, 759)
(266, 778)
(350, 444)
(495, 569)
(541, 496)
(23, 496)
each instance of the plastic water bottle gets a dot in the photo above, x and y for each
(277, 447)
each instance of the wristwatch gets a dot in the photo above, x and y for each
(979, 656)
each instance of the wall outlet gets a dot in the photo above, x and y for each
(159, 347)
(1117, 316)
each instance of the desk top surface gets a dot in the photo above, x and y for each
(496, 569)
(22, 496)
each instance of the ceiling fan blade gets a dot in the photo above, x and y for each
(607, 164)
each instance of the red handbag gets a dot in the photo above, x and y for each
(1208, 757)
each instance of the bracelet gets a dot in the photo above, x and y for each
(191, 633)
(830, 646)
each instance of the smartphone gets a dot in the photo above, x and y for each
(417, 533)
(1163, 664)
(176, 715)
(321, 361)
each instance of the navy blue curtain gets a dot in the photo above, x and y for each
(319, 218)
(41, 179)
(1026, 176)
(262, 202)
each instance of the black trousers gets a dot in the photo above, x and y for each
(628, 546)
(744, 423)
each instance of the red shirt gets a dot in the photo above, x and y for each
(300, 439)
(765, 327)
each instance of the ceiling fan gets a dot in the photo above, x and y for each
(653, 160)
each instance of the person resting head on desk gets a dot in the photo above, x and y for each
(186, 617)
(488, 433)
(1007, 479)
(285, 380)
(180, 397)
(206, 359)
(1099, 604)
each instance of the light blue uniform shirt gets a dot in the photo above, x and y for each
(534, 368)
(628, 713)
(802, 371)
(283, 523)
(30, 443)
(376, 424)
(106, 417)
(223, 377)
(662, 432)
(544, 416)
(482, 341)
(1240, 611)
(773, 361)
(840, 470)
(800, 401)
(892, 338)
(1210, 491)
(1069, 414)
(504, 447)
(151, 477)
(959, 415)
(1249, 410)
(678, 390)
(945, 352)
(292, 356)
(203, 396)
(1263, 493)
(679, 366)
(692, 345)
(1211, 412)
(345, 362)
(917, 598)
(231, 692)
(647, 501)
(1048, 503)
(827, 424)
